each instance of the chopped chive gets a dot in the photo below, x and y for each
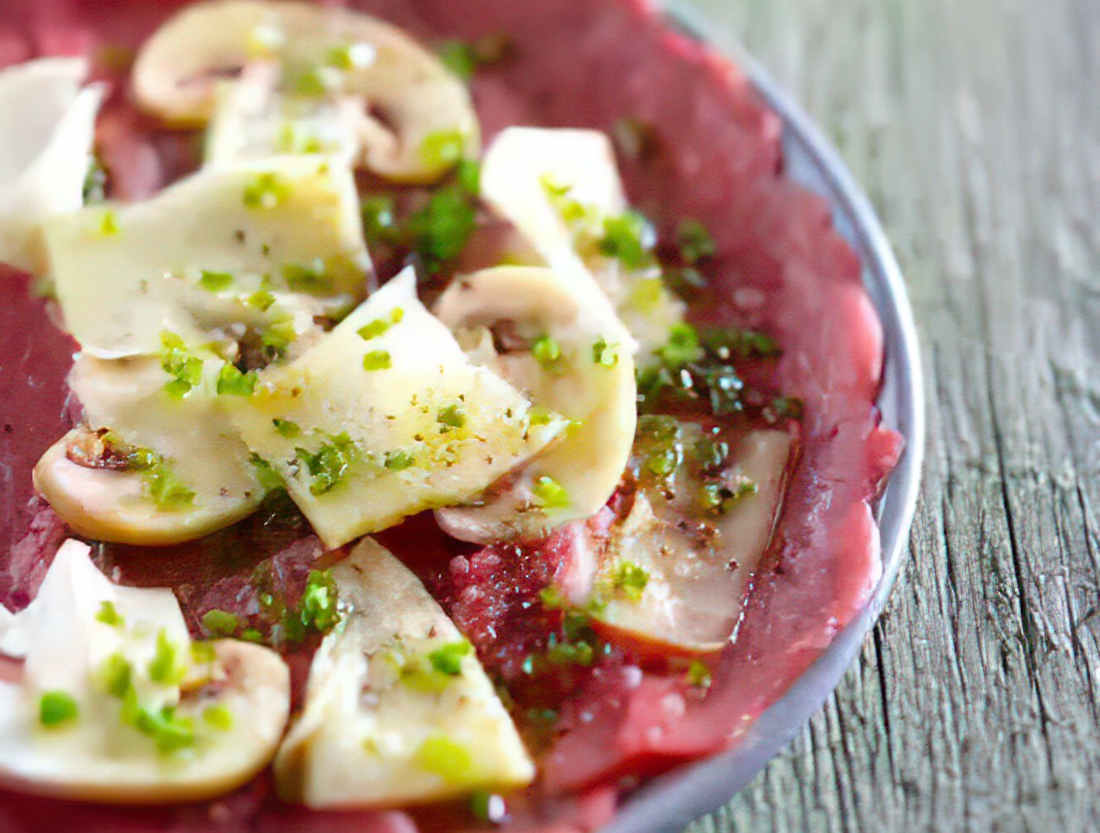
(266, 191)
(164, 667)
(538, 415)
(443, 148)
(261, 299)
(694, 241)
(219, 716)
(319, 601)
(215, 281)
(550, 494)
(373, 329)
(55, 708)
(604, 354)
(399, 460)
(234, 383)
(270, 480)
(108, 614)
(444, 757)
(552, 598)
(447, 659)
(116, 675)
(698, 675)
(108, 224)
(628, 238)
(631, 579)
(286, 428)
(451, 416)
(220, 622)
(203, 653)
(329, 463)
(377, 360)
(546, 350)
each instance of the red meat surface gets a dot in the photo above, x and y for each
(780, 267)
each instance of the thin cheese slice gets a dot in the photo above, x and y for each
(137, 727)
(398, 709)
(253, 120)
(44, 152)
(386, 417)
(191, 259)
(694, 590)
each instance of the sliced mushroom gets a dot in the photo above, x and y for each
(202, 481)
(683, 585)
(44, 161)
(112, 704)
(192, 259)
(591, 381)
(398, 709)
(397, 419)
(341, 53)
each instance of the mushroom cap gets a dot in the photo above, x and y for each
(588, 461)
(414, 94)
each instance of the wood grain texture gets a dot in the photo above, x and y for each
(974, 125)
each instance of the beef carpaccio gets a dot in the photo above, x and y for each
(598, 707)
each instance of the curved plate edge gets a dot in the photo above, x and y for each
(669, 803)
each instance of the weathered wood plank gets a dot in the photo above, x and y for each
(975, 127)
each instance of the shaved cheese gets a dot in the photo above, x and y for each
(398, 709)
(391, 418)
(116, 662)
(45, 153)
(688, 592)
(124, 274)
(252, 120)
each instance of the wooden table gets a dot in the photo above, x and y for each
(974, 125)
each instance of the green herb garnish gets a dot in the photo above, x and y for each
(286, 428)
(265, 191)
(604, 354)
(399, 460)
(215, 281)
(550, 494)
(115, 675)
(698, 675)
(694, 241)
(377, 360)
(56, 708)
(328, 465)
(108, 614)
(319, 601)
(184, 368)
(630, 579)
(451, 416)
(447, 659)
(165, 667)
(628, 238)
(219, 717)
(546, 350)
(220, 622)
(234, 383)
(444, 757)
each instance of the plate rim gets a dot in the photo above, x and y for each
(670, 802)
